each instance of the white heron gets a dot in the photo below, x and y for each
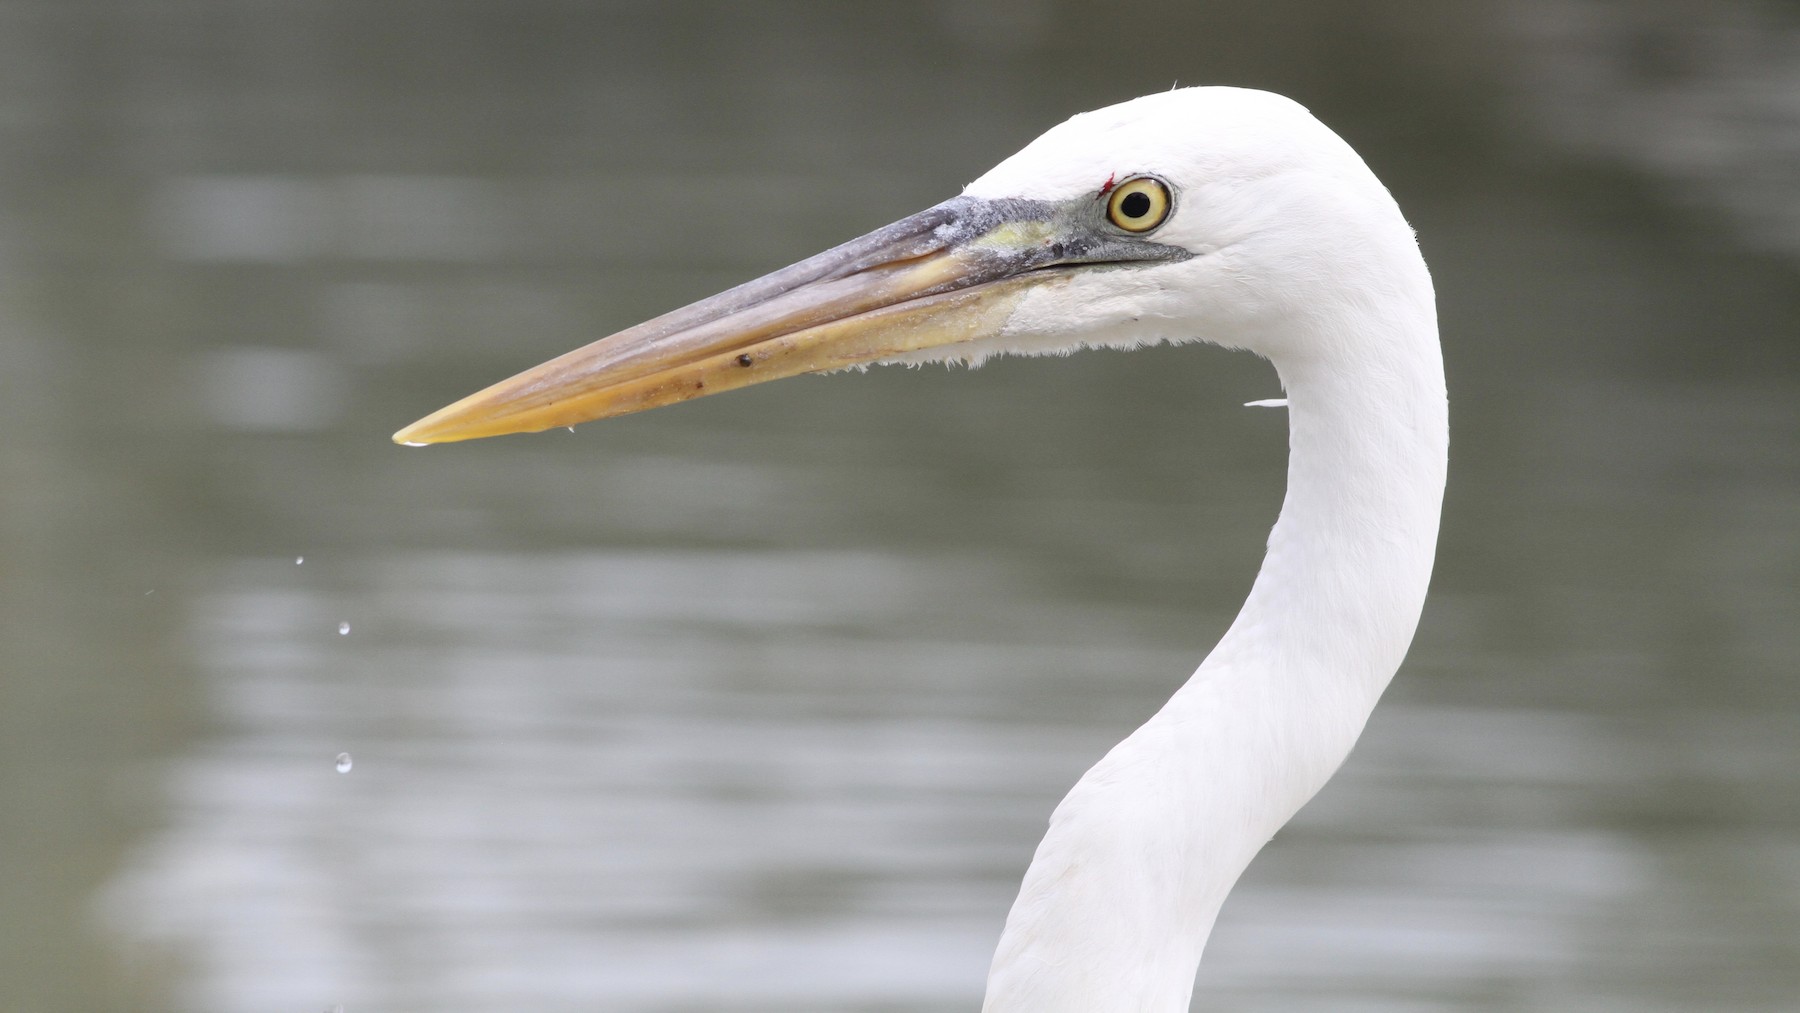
(1215, 214)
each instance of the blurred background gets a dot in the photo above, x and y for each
(762, 702)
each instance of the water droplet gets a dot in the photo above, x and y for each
(343, 629)
(299, 559)
(343, 763)
(571, 429)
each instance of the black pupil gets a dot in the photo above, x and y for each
(1135, 205)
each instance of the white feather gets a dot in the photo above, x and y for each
(1300, 255)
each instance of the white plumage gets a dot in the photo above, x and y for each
(1304, 258)
(1273, 236)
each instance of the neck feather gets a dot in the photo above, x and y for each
(1122, 894)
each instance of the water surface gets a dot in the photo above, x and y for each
(761, 703)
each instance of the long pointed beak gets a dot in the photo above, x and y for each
(948, 275)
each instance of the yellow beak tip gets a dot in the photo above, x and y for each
(425, 432)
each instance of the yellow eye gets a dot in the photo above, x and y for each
(1138, 204)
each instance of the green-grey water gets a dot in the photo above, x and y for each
(761, 702)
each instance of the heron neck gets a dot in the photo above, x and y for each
(1122, 894)
(1342, 584)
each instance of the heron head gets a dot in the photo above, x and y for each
(1202, 213)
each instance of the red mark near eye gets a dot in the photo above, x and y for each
(1106, 187)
